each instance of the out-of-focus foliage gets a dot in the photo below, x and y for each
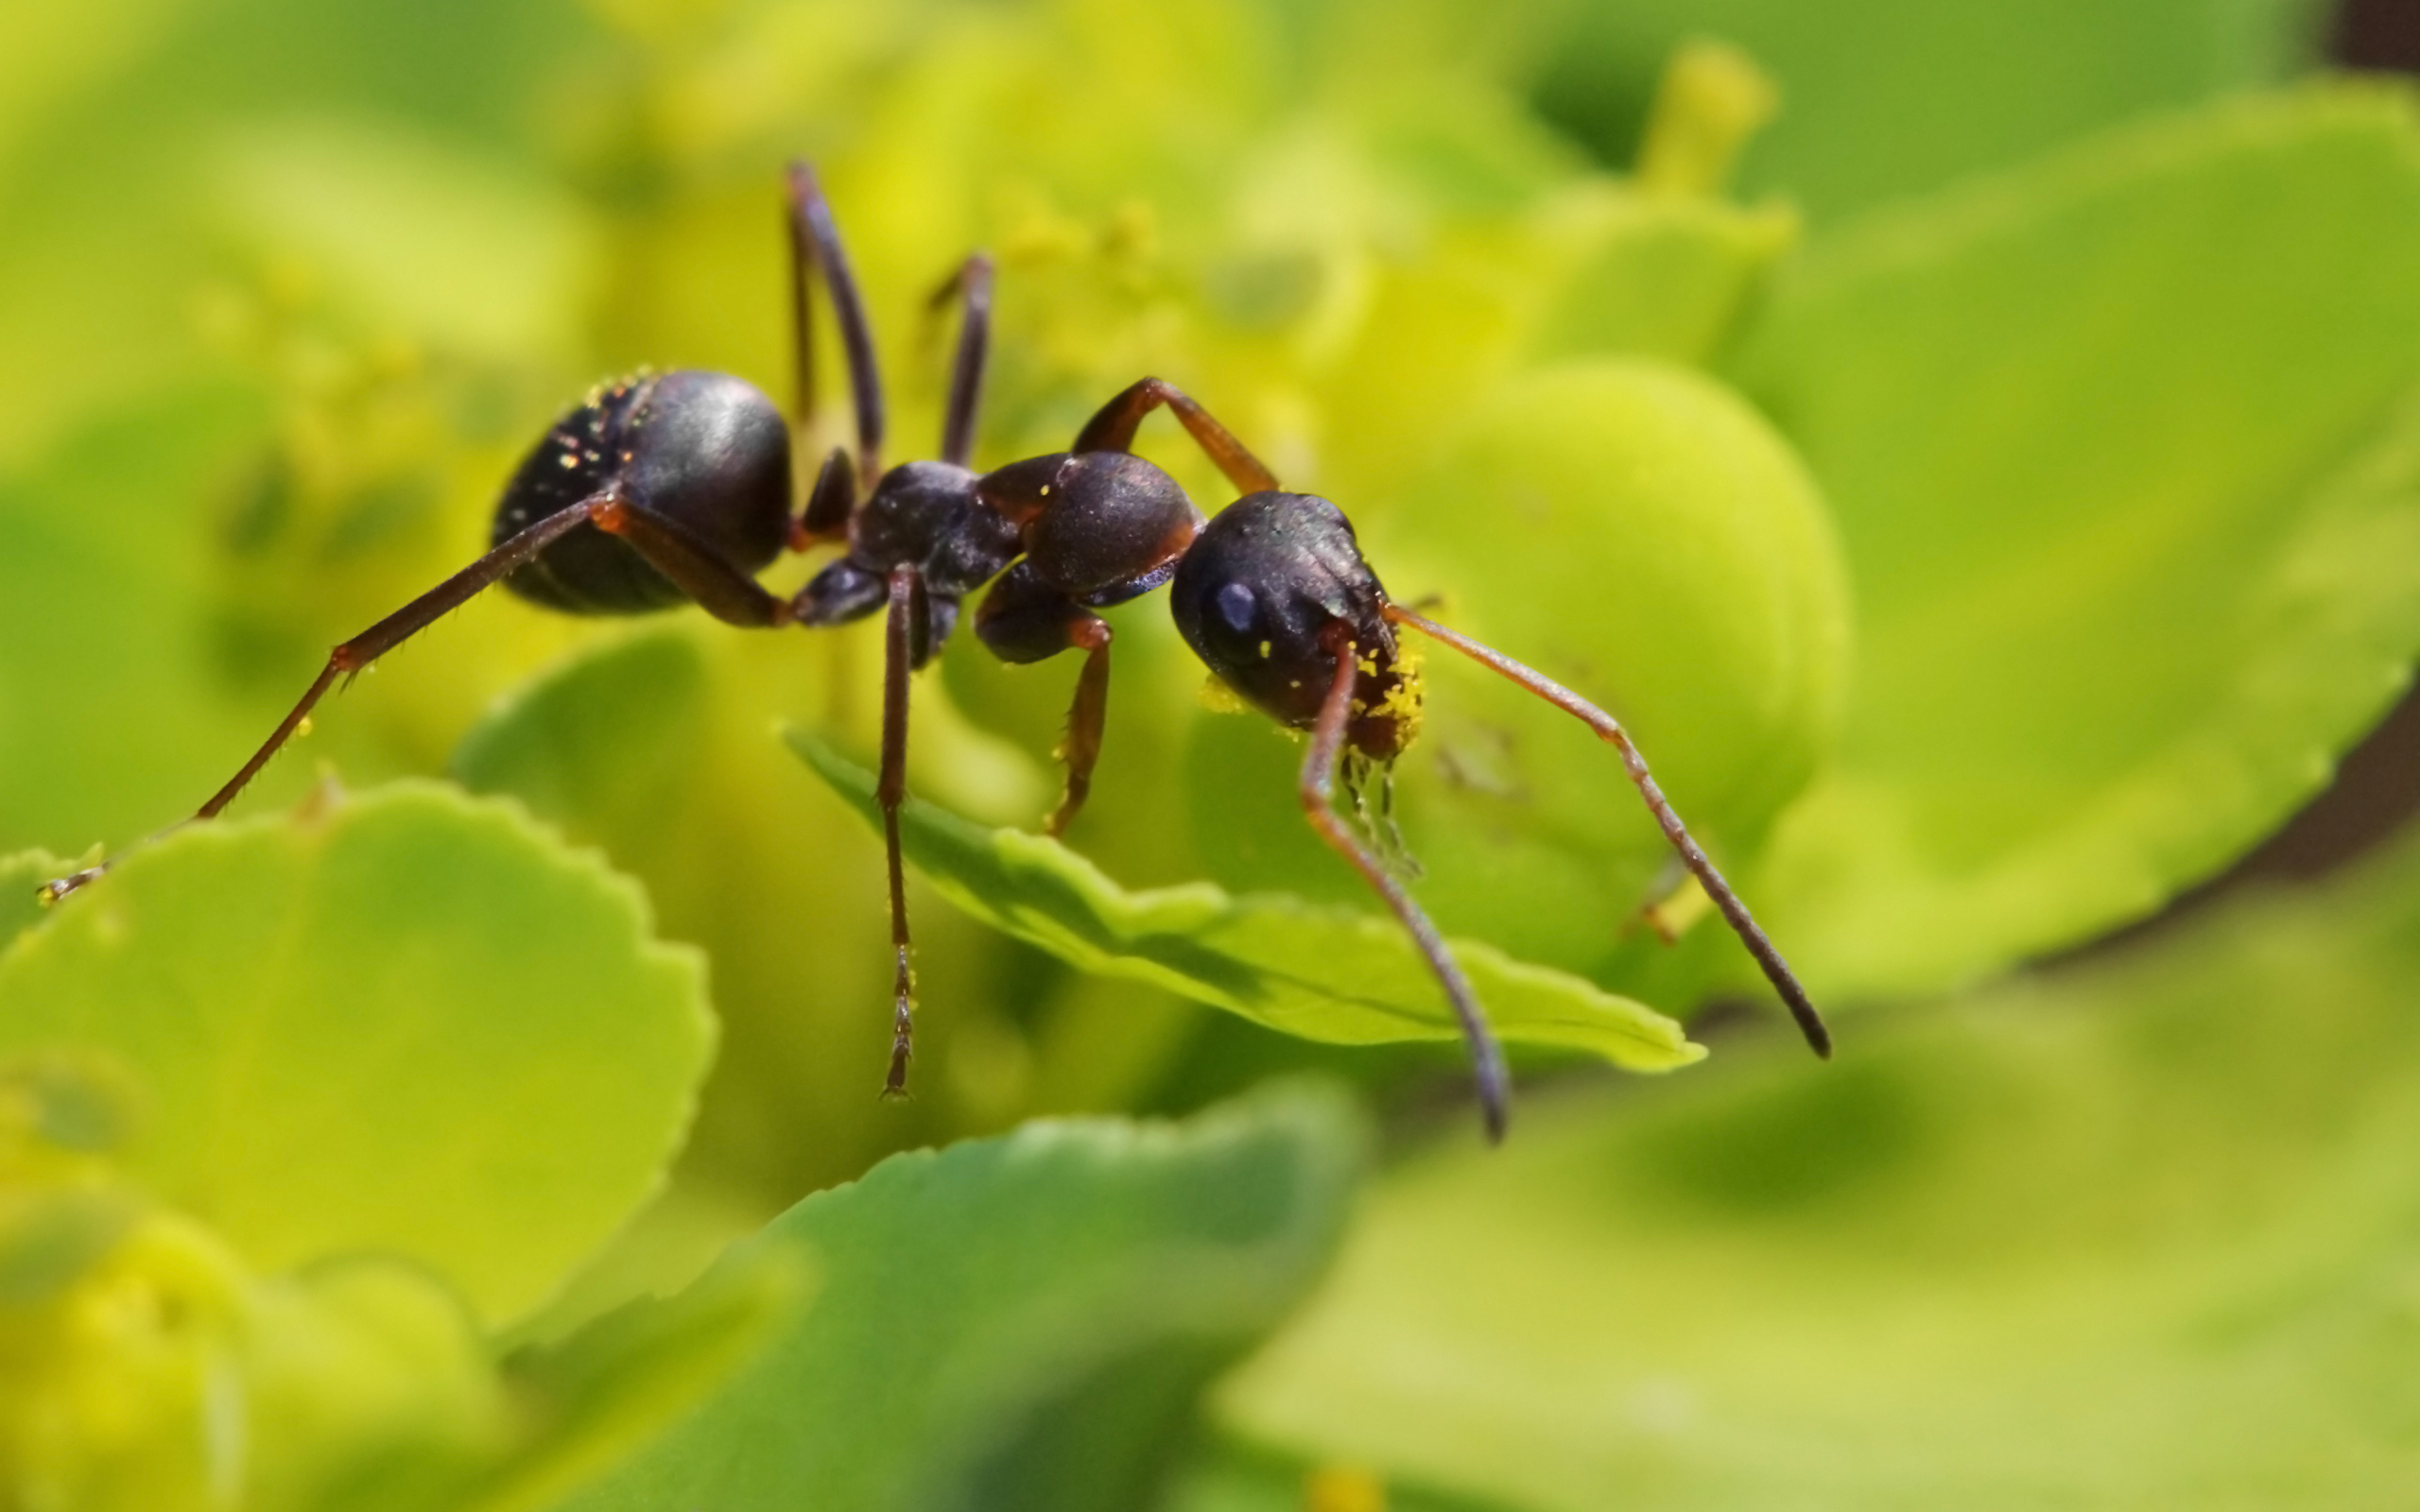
(1886, 100)
(1018, 1322)
(2139, 1231)
(2058, 535)
(2149, 556)
(1336, 977)
(1687, 526)
(284, 1335)
(409, 984)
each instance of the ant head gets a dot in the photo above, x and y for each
(1265, 597)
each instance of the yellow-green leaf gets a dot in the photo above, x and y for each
(1322, 973)
(415, 1022)
(2136, 1235)
(2125, 451)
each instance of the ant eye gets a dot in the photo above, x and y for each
(1237, 609)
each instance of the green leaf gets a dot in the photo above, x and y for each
(361, 1380)
(109, 684)
(654, 747)
(611, 1387)
(2134, 1235)
(415, 1024)
(2126, 454)
(1017, 1322)
(1659, 548)
(1318, 973)
(1881, 99)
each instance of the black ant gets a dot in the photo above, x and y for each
(662, 490)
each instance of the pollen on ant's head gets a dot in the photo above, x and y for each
(1401, 702)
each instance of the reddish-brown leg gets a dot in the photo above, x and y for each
(899, 657)
(1318, 767)
(1086, 717)
(1112, 430)
(1811, 1023)
(726, 592)
(1024, 620)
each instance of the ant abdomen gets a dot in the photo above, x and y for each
(1270, 583)
(703, 451)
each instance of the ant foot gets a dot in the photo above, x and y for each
(49, 893)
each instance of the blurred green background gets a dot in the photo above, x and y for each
(1993, 498)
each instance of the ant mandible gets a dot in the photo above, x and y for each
(662, 490)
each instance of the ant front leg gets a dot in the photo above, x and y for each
(1024, 620)
(1112, 430)
(1318, 769)
(904, 641)
(1608, 728)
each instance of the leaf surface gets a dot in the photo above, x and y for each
(414, 1023)
(2125, 451)
(1319, 973)
(2137, 1235)
(1016, 1322)
(1881, 100)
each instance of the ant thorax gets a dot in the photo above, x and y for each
(924, 515)
(927, 515)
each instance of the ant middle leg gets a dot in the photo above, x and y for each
(1022, 620)
(1112, 430)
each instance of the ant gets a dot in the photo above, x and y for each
(677, 488)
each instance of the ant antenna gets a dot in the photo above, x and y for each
(1811, 1023)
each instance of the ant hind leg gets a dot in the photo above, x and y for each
(972, 286)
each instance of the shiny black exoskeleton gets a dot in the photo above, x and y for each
(671, 488)
(1259, 598)
(704, 453)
